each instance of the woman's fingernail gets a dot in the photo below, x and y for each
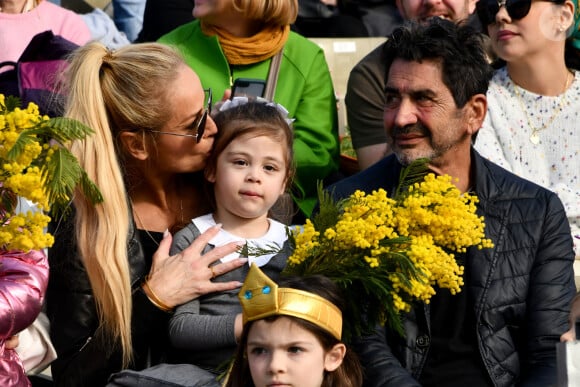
(244, 260)
(166, 233)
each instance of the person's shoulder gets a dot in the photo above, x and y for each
(299, 46)
(296, 38)
(191, 229)
(304, 55)
(371, 65)
(500, 95)
(500, 80)
(383, 174)
(373, 59)
(506, 185)
(182, 33)
(54, 11)
(47, 6)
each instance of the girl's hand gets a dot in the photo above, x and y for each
(574, 316)
(238, 327)
(183, 277)
(12, 342)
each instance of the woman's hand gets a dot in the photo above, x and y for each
(217, 106)
(574, 316)
(183, 277)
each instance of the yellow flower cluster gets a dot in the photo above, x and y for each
(22, 177)
(26, 232)
(35, 166)
(306, 243)
(406, 243)
(437, 208)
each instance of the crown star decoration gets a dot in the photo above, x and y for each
(261, 297)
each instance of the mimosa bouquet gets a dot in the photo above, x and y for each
(389, 252)
(35, 165)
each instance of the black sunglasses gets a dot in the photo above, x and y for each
(488, 9)
(200, 127)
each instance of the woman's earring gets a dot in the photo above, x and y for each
(561, 28)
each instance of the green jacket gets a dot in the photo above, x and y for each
(304, 88)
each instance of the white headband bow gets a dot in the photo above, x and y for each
(239, 101)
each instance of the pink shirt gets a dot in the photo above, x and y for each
(16, 30)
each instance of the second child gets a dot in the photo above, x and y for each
(293, 335)
(249, 169)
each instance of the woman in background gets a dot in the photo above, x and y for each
(533, 119)
(238, 39)
(21, 20)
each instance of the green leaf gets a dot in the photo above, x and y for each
(63, 174)
(329, 210)
(411, 174)
(11, 102)
(62, 130)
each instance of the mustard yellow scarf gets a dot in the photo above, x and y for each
(257, 48)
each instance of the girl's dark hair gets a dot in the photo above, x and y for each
(348, 374)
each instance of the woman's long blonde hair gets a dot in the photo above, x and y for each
(125, 90)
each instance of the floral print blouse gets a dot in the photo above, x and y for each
(536, 137)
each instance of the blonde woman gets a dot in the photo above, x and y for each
(112, 283)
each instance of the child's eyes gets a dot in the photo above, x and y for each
(240, 162)
(270, 168)
(295, 350)
(258, 351)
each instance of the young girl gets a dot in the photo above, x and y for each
(248, 170)
(531, 127)
(292, 335)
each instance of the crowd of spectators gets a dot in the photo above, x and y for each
(487, 91)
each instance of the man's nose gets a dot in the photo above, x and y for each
(404, 114)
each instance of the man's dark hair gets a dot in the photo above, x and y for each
(459, 49)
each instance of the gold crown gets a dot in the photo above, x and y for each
(261, 297)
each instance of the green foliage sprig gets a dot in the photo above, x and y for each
(36, 165)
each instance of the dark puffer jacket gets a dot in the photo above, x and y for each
(84, 358)
(523, 286)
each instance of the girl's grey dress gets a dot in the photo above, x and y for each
(202, 331)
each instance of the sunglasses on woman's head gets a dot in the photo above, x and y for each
(488, 9)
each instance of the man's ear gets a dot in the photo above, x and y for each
(476, 109)
(134, 144)
(333, 358)
(471, 6)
